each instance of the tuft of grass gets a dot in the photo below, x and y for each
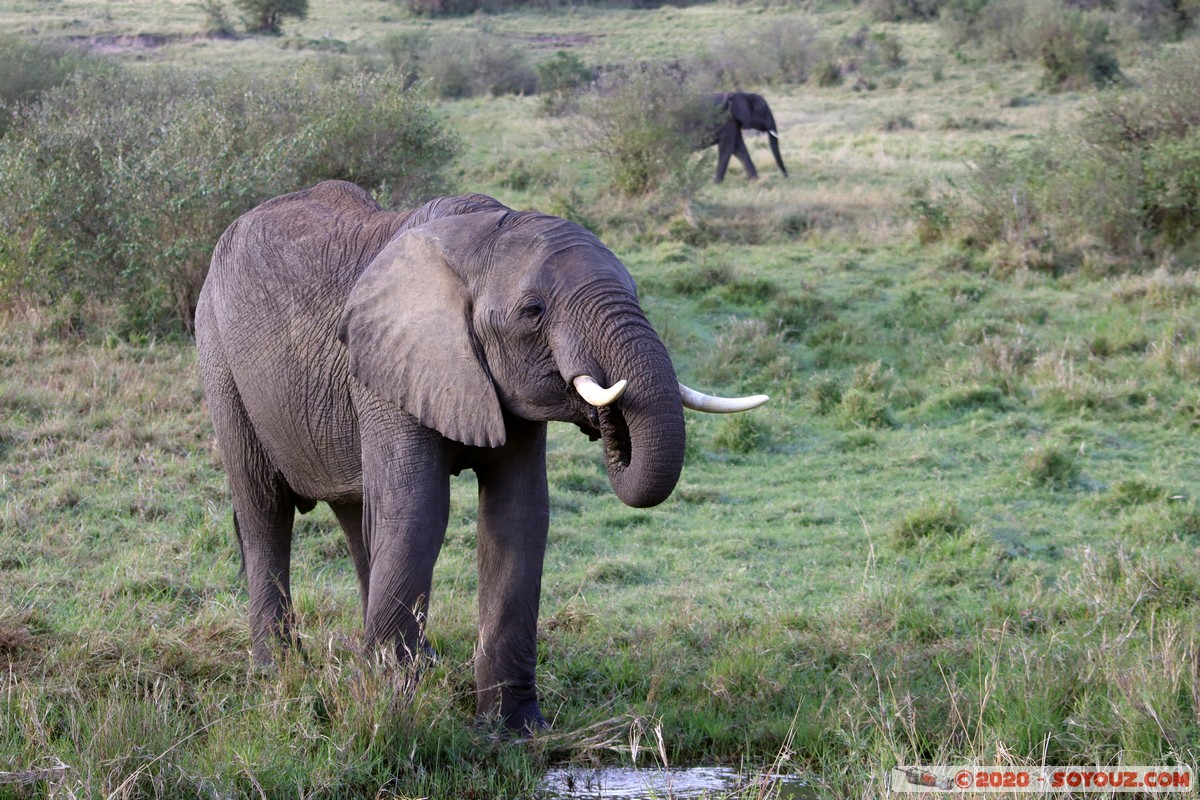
(1052, 465)
(934, 519)
(1131, 492)
(742, 434)
(860, 408)
(824, 393)
(748, 353)
(616, 572)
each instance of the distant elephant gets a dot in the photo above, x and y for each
(361, 357)
(744, 110)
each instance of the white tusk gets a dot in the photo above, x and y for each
(774, 133)
(698, 401)
(596, 394)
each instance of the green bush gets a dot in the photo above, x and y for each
(266, 16)
(560, 79)
(460, 65)
(472, 64)
(784, 50)
(861, 408)
(216, 20)
(1072, 45)
(904, 10)
(27, 69)
(644, 123)
(794, 50)
(1157, 20)
(100, 204)
(443, 8)
(933, 212)
(1122, 184)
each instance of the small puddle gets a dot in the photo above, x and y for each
(630, 783)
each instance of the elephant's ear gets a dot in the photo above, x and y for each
(739, 108)
(407, 326)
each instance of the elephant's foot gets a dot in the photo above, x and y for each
(519, 710)
(525, 718)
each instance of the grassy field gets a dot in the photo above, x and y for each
(964, 529)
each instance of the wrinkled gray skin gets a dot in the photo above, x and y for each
(361, 357)
(744, 110)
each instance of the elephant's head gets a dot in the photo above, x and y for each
(466, 319)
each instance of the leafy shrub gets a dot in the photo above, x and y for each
(1123, 182)
(493, 65)
(266, 16)
(1065, 31)
(27, 69)
(462, 64)
(931, 211)
(1157, 20)
(896, 122)
(560, 78)
(644, 123)
(903, 10)
(1072, 46)
(216, 20)
(100, 204)
(459, 8)
(442, 8)
(796, 313)
(785, 50)
(794, 50)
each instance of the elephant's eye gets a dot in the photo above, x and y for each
(533, 310)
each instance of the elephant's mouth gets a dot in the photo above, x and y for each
(615, 433)
(608, 424)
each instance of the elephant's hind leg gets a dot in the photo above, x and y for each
(727, 139)
(263, 520)
(743, 155)
(263, 509)
(350, 516)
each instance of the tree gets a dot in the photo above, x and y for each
(265, 16)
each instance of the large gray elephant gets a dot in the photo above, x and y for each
(743, 110)
(361, 357)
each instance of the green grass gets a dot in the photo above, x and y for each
(965, 527)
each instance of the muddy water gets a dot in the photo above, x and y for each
(627, 783)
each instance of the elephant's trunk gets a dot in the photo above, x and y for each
(643, 444)
(642, 430)
(773, 135)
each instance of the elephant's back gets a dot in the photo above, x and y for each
(268, 315)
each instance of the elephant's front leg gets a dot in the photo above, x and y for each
(514, 519)
(406, 505)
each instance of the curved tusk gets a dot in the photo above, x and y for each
(698, 401)
(595, 394)
(774, 133)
